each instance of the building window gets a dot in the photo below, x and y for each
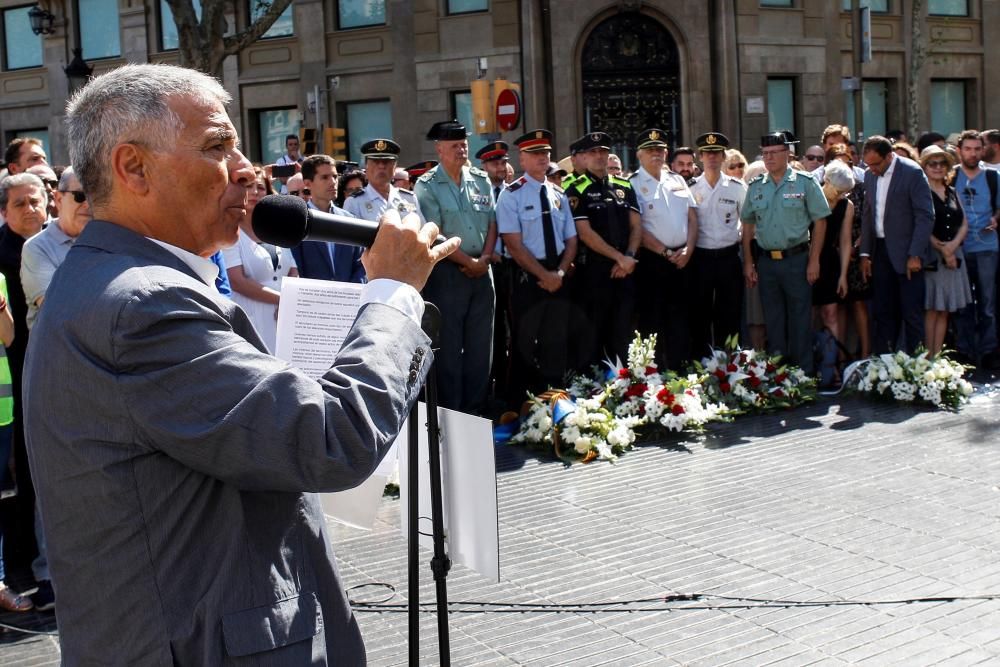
(283, 26)
(881, 6)
(366, 121)
(168, 29)
(781, 105)
(100, 35)
(948, 106)
(948, 7)
(775, 3)
(273, 126)
(461, 110)
(873, 108)
(467, 6)
(360, 13)
(22, 48)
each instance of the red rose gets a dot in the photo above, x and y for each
(754, 381)
(725, 387)
(720, 373)
(678, 409)
(770, 367)
(623, 373)
(651, 370)
(779, 393)
(664, 396)
(637, 389)
(743, 357)
(781, 377)
(731, 368)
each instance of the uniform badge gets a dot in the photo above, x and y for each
(698, 198)
(620, 193)
(595, 137)
(368, 206)
(573, 201)
(558, 202)
(380, 145)
(654, 135)
(539, 135)
(710, 140)
(645, 190)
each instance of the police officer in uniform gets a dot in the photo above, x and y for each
(779, 208)
(493, 160)
(608, 226)
(537, 227)
(578, 159)
(669, 231)
(717, 271)
(460, 200)
(380, 194)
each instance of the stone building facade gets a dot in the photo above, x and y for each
(742, 67)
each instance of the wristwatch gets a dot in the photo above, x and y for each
(629, 253)
(561, 273)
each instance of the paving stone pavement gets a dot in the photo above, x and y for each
(841, 500)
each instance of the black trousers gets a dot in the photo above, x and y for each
(609, 307)
(897, 302)
(717, 288)
(503, 330)
(664, 308)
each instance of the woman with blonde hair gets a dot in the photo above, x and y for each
(735, 164)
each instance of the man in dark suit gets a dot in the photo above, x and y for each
(896, 225)
(323, 260)
(171, 453)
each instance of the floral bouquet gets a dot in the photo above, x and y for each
(750, 380)
(938, 381)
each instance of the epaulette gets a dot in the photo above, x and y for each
(427, 176)
(478, 172)
(406, 192)
(581, 184)
(513, 187)
(358, 193)
(800, 172)
(759, 178)
(620, 181)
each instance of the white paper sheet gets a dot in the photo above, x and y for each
(468, 478)
(313, 321)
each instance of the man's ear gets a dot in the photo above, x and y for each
(129, 166)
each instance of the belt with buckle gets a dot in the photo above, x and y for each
(733, 249)
(788, 252)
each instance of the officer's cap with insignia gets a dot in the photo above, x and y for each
(534, 141)
(594, 140)
(712, 141)
(420, 168)
(447, 130)
(380, 149)
(651, 138)
(495, 150)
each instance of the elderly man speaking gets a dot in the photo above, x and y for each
(172, 454)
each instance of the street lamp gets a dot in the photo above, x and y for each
(78, 71)
(41, 21)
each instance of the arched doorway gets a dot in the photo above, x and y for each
(631, 77)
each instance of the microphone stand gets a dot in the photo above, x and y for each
(440, 563)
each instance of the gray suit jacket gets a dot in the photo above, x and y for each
(171, 455)
(909, 215)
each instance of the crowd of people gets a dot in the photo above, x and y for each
(824, 255)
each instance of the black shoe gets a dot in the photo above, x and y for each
(45, 598)
(991, 361)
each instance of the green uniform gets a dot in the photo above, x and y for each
(783, 212)
(464, 210)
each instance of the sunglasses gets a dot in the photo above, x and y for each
(814, 158)
(936, 164)
(304, 191)
(737, 165)
(52, 184)
(79, 196)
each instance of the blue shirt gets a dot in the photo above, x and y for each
(974, 196)
(519, 211)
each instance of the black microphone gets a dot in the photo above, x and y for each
(286, 221)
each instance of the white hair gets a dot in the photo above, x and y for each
(16, 181)
(839, 175)
(129, 105)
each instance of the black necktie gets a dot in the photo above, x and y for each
(548, 231)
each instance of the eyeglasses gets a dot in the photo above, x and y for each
(774, 153)
(52, 184)
(79, 196)
(814, 158)
(937, 164)
(304, 191)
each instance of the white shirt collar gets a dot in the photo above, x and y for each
(206, 269)
(892, 166)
